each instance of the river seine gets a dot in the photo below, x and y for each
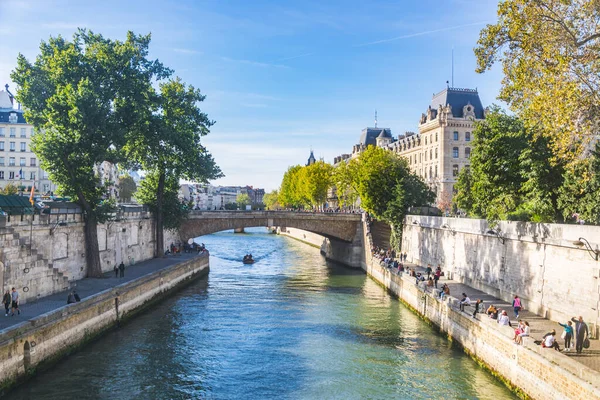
(291, 326)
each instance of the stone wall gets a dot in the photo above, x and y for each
(44, 339)
(530, 370)
(348, 254)
(56, 255)
(539, 262)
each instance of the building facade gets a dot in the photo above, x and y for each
(18, 164)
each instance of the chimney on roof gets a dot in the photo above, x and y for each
(10, 95)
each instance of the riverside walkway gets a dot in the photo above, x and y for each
(89, 286)
(538, 324)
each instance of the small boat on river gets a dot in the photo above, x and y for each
(248, 259)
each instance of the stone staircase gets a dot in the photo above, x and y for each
(25, 269)
(381, 234)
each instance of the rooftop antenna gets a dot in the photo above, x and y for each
(375, 118)
(452, 66)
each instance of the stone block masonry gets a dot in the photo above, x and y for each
(553, 276)
(40, 341)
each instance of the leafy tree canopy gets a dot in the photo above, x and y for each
(176, 209)
(242, 200)
(127, 187)
(271, 200)
(550, 55)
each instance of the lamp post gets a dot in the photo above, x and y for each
(583, 242)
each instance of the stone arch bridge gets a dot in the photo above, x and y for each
(336, 226)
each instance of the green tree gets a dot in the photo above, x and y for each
(317, 178)
(84, 97)
(271, 200)
(579, 196)
(550, 55)
(127, 187)
(290, 194)
(172, 207)
(463, 198)
(169, 145)
(10, 189)
(242, 200)
(342, 179)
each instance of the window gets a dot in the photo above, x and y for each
(1, 132)
(430, 172)
(436, 153)
(12, 146)
(1, 146)
(455, 170)
(32, 176)
(436, 139)
(468, 136)
(455, 152)
(13, 132)
(425, 140)
(425, 155)
(31, 132)
(32, 162)
(436, 171)
(23, 133)
(22, 161)
(2, 161)
(455, 135)
(467, 152)
(11, 175)
(2, 175)
(430, 154)
(12, 118)
(23, 146)
(11, 162)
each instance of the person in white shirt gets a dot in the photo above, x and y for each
(466, 301)
(503, 319)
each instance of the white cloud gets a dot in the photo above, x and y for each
(186, 51)
(254, 63)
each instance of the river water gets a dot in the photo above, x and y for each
(288, 327)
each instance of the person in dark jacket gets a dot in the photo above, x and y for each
(122, 270)
(581, 333)
(7, 299)
(70, 298)
(76, 296)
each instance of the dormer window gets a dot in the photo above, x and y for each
(12, 118)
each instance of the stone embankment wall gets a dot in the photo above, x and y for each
(524, 368)
(349, 254)
(42, 340)
(539, 262)
(55, 256)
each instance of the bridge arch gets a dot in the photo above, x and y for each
(330, 225)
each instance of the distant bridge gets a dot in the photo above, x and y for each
(338, 226)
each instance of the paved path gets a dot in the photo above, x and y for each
(538, 325)
(87, 287)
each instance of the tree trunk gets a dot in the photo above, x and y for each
(92, 251)
(160, 240)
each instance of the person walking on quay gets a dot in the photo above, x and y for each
(7, 299)
(567, 334)
(516, 306)
(122, 270)
(428, 270)
(76, 296)
(478, 306)
(15, 302)
(581, 333)
(504, 319)
(116, 271)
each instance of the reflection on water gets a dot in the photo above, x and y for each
(289, 326)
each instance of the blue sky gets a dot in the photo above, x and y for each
(283, 76)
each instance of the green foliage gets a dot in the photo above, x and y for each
(549, 51)
(342, 179)
(127, 188)
(174, 210)
(290, 193)
(84, 97)
(316, 179)
(271, 200)
(242, 200)
(10, 189)
(511, 172)
(579, 196)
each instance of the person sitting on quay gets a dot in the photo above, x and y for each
(492, 312)
(70, 298)
(445, 291)
(76, 296)
(521, 332)
(549, 341)
(504, 320)
(466, 301)
(430, 282)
